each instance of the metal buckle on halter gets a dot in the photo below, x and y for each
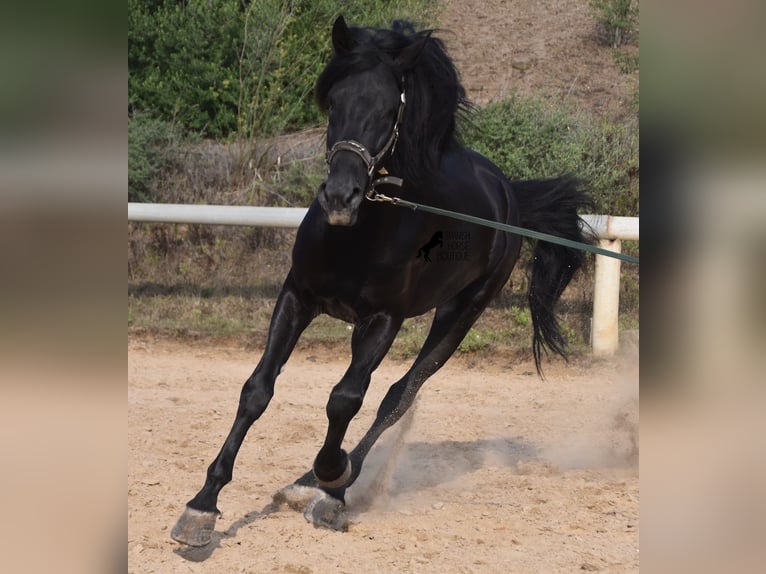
(373, 195)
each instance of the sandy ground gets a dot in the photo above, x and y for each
(498, 471)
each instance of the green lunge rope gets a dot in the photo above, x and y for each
(501, 226)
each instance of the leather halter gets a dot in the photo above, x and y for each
(370, 161)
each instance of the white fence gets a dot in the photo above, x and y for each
(609, 230)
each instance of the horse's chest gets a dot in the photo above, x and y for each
(350, 285)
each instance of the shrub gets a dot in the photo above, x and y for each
(530, 138)
(182, 62)
(152, 144)
(616, 20)
(240, 67)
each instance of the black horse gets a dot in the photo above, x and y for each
(392, 97)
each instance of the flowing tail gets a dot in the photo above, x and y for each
(550, 206)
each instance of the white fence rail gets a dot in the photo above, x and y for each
(609, 230)
(217, 214)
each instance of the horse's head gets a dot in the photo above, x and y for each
(364, 100)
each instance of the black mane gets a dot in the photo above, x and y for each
(435, 96)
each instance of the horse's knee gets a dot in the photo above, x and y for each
(344, 403)
(255, 397)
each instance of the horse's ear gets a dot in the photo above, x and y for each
(341, 36)
(408, 57)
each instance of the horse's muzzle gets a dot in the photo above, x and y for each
(343, 218)
(340, 206)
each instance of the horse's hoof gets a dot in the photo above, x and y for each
(327, 512)
(339, 482)
(195, 527)
(295, 496)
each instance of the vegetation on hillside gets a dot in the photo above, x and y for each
(210, 85)
(616, 21)
(531, 138)
(241, 68)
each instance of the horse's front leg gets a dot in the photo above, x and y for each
(370, 342)
(291, 316)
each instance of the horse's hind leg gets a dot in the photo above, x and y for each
(291, 316)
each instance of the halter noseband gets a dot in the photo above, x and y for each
(370, 161)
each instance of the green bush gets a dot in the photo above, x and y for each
(183, 60)
(240, 67)
(530, 138)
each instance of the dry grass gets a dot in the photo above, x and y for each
(211, 282)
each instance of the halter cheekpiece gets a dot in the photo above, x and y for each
(371, 161)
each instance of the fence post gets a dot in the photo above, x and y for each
(606, 300)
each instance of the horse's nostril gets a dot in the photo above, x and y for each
(348, 197)
(338, 196)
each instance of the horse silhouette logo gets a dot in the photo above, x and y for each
(435, 241)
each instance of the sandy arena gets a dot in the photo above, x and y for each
(497, 470)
